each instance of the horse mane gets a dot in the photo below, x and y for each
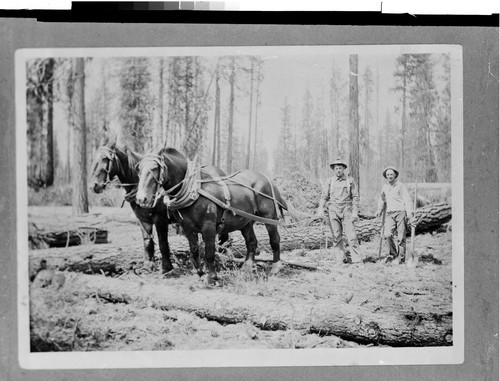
(133, 158)
(171, 152)
(130, 168)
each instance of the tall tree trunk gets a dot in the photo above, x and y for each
(256, 126)
(353, 118)
(403, 122)
(367, 137)
(158, 126)
(186, 99)
(216, 143)
(167, 133)
(79, 196)
(229, 159)
(69, 163)
(49, 172)
(379, 130)
(249, 139)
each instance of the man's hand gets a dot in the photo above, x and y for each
(413, 221)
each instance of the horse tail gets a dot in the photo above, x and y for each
(294, 213)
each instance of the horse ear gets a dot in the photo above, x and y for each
(111, 139)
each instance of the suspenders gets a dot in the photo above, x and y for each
(348, 186)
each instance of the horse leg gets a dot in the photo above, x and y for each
(223, 238)
(149, 245)
(208, 233)
(251, 243)
(274, 240)
(194, 251)
(162, 232)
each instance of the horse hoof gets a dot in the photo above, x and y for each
(149, 266)
(213, 281)
(174, 273)
(276, 267)
(247, 267)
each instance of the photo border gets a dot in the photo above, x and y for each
(480, 114)
(246, 357)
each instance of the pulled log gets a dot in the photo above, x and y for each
(431, 327)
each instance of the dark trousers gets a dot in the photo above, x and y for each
(395, 226)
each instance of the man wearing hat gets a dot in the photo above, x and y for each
(396, 199)
(342, 198)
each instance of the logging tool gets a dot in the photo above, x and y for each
(410, 260)
(381, 234)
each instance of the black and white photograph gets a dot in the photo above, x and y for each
(240, 206)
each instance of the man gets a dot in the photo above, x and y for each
(397, 202)
(341, 196)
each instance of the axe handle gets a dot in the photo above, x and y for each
(381, 234)
(412, 240)
(413, 227)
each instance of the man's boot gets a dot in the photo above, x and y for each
(355, 256)
(402, 254)
(393, 250)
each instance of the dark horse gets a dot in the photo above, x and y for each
(111, 161)
(200, 204)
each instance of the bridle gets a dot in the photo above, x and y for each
(109, 154)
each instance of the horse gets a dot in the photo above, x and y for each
(111, 161)
(212, 205)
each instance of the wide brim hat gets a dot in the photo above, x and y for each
(390, 167)
(338, 162)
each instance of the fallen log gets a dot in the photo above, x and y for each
(432, 327)
(289, 263)
(58, 236)
(116, 258)
(87, 259)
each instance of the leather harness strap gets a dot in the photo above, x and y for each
(267, 221)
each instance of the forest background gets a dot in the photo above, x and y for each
(287, 115)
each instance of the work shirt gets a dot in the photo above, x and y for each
(397, 198)
(341, 191)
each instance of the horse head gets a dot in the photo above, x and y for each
(159, 173)
(104, 169)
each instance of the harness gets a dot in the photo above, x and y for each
(190, 190)
(347, 180)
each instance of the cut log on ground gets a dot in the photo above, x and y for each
(57, 236)
(432, 327)
(115, 259)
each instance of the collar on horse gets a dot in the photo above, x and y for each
(160, 192)
(188, 192)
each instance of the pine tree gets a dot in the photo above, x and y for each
(39, 101)
(79, 194)
(353, 118)
(135, 104)
(422, 111)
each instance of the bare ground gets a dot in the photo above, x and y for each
(63, 320)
